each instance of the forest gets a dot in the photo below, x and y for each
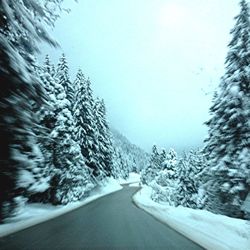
(57, 144)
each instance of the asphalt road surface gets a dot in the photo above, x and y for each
(111, 222)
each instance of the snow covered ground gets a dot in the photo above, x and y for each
(132, 179)
(209, 230)
(33, 214)
(137, 184)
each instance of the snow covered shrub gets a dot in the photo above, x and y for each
(164, 187)
(148, 174)
(160, 175)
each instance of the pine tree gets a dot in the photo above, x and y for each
(188, 184)
(62, 75)
(86, 130)
(155, 165)
(163, 156)
(119, 167)
(78, 86)
(21, 28)
(170, 160)
(71, 178)
(47, 117)
(103, 137)
(165, 180)
(155, 159)
(48, 67)
(185, 185)
(228, 146)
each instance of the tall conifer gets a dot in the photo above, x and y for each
(228, 144)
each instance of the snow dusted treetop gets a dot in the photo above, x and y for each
(79, 82)
(155, 159)
(238, 57)
(62, 75)
(48, 66)
(171, 159)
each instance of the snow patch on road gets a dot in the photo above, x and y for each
(212, 231)
(134, 184)
(133, 178)
(32, 214)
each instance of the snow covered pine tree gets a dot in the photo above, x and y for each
(21, 27)
(71, 178)
(62, 75)
(105, 147)
(86, 128)
(151, 171)
(164, 184)
(188, 181)
(228, 143)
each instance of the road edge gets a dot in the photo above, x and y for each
(161, 221)
(22, 225)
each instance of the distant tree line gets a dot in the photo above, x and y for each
(134, 158)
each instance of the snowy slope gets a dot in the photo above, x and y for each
(209, 230)
(33, 214)
(136, 157)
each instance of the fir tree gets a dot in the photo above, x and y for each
(165, 180)
(188, 184)
(48, 67)
(86, 130)
(155, 165)
(120, 167)
(170, 160)
(62, 75)
(47, 117)
(228, 146)
(21, 28)
(103, 136)
(163, 156)
(71, 177)
(155, 159)
(185, 185)
(78, 86)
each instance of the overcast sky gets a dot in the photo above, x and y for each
(155, 62)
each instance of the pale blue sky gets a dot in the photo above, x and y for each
(153, 61)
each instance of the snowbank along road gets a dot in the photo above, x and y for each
(111, 222)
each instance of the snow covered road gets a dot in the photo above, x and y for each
(111, 222)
